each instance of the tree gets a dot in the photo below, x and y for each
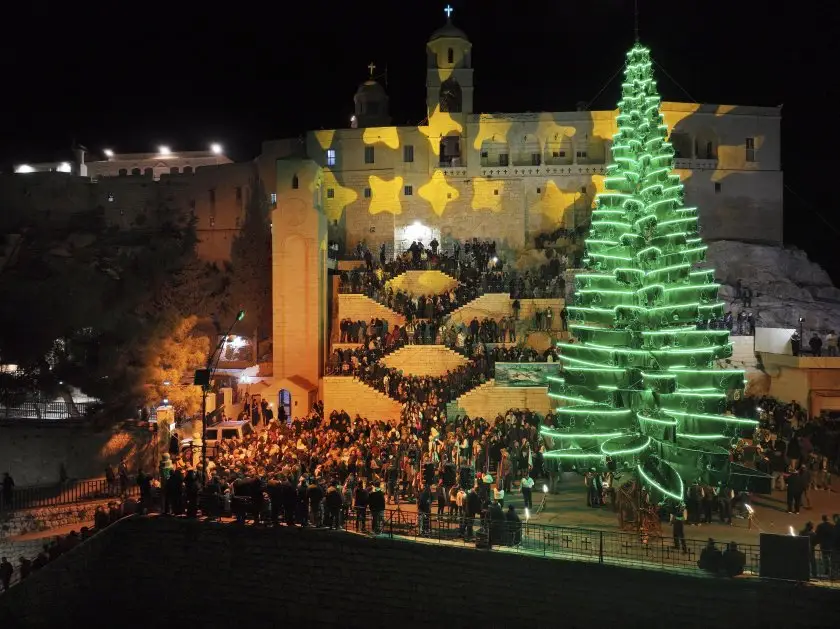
(250, 286)
(641, 384)
(174, 358)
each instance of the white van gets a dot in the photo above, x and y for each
(218, 432)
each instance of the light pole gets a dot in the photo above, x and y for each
(203, 377)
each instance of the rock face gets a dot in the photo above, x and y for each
(785, 284)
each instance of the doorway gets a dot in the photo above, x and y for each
(407, 234)
(285, 405)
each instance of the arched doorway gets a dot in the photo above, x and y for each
(284, 405)
(450, 96)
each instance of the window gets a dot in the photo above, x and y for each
(173, 170)
(213, 197)
(749, 145)
(295, 182)
(330, 157)
(110, 197)
(408, 153)
(273, 198)
(496, 192)
(717, 187)
(369, 155)
(187, 170)
(503, 159)
(135, 171)
(539, 190)
(148, 172)
(558, 154)
(581, 153)
(583, 189)
(367, 193)
(211, 434)
(330, 193)
(408, 190)
(483, 154)
(239, 194)
(536, 159)
(450, 56)
(123, 172)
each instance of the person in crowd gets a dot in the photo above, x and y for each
(711, 559)
(734, 560)
(6, 572)
(376, 504)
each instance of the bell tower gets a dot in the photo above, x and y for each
(449, 73)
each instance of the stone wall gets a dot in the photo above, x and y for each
(201, 573)
(34, 452)
(45, 518)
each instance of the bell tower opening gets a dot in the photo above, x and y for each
(451, 99)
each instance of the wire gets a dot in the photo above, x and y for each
(674, 81)
(601, 91)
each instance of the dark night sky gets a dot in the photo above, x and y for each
(132, 76)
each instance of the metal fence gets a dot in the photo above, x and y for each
(67, 493)
(46, 410)
(604, 547)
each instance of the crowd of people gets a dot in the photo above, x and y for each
(328, 471)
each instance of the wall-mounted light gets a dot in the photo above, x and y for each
(164, 150)
(108, 153)
(216, 148)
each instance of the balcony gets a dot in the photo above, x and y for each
(544, 170)
(688, 163)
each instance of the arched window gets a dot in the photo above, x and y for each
(450, 96)
(295, 182)
(188, 170)
(135, 171)
(450, 56)
(173, 170)
(123, 172)
(148, 172)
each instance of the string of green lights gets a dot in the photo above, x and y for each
(640, 384)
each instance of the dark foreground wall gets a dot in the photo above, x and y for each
(149, 571)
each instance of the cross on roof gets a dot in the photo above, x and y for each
(372, 67)
(448, 10)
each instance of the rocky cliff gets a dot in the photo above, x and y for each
(785, 285)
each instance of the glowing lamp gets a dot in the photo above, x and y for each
(164, 150)
(108, 153)
(24, 168)
(545, 488)
(64, 167)
(216, 148)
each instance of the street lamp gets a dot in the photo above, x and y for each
(203, 377)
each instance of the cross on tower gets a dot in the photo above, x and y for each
(448, 10)
(371, 67)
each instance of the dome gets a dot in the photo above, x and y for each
(448, 30)
(372, 89)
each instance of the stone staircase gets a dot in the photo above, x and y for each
(488, 400)
(423, 282)
(361, 307)
(424, 360)
(498, 305)
(355, 397)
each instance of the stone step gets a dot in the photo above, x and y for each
(424, 360)
(489, 400)
(423, 282)
(355, 397)
(361, 307)
(498, 305)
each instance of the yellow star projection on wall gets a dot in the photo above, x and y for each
(553, 203)
(385, 195)
(440, 125)
(487, 194)
(338, 199)
(496, 131)
(438, 192)
(382, 135)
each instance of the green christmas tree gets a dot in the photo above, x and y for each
(641, 385)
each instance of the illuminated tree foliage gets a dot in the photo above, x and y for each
(640, 384)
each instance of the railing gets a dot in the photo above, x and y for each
(70, 492)
(46, 410)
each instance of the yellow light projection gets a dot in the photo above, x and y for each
(494, 130)
(325, 137)
(341, 196)
(554, 203)
(440, 124)
(438, 192)
(548, 129)
(383, 135)
(385, 195)
(487, 194)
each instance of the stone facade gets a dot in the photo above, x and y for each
(342, 580)
(25, 521)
